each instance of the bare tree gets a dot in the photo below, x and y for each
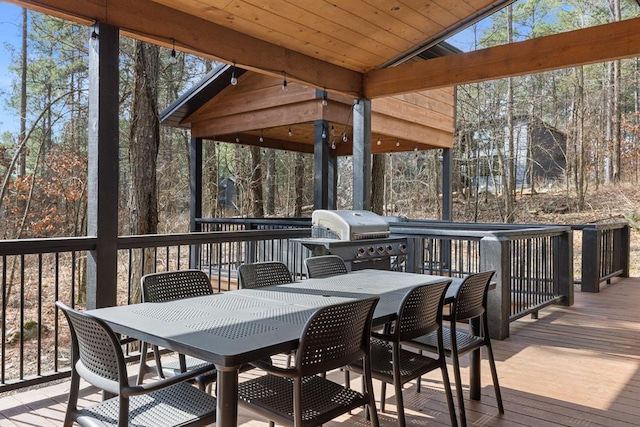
(143, 152)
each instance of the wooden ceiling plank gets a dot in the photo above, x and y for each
(435, 17)
(279, 116)
(378, 14)
(245, 17)
(308, 26)
(361, 29)
(412, 113)
(140, 19)
(277, 144)
(601, 43)
(402, 129)
(316, 15)
(229, 102)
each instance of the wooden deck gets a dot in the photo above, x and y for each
(574, 366)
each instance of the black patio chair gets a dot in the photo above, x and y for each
(334, 336)
(169, 286)
(420, 313)
(97, 358)
(259, 274)
(470, 303)
(325, 266)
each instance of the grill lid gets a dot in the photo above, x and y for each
(348, 225)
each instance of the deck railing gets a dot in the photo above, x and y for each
(533, 265)
(605, 253)
(35, 273)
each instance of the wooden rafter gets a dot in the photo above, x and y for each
(155, 23)
(586, 46)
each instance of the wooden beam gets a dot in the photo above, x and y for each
(155, 23)
(586, 46)
(277, 144)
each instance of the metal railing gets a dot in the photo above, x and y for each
(605, 253)
(533, 265)
(35, 346)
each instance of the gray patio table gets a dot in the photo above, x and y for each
(232, 328)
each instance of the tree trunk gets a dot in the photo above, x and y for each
(299, 185)
(143, 153)
(614, 105)
(510, 174)
(257, 200)
(378, 172)
(22, 166)
(270, 200)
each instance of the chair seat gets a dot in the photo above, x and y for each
(173, 367)
(466, 342)
(270, 395)
(180, 404)
(412, 364)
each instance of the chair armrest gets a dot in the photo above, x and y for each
(275, 370)
(164, 383)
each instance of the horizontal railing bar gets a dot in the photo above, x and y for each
(41, 246)
(534, 308)
(146, 241)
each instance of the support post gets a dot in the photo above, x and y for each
(495, 256)
(563, 266)
(195, 196)
(321, 166)
(447, 186)
(103, 165)
(362, 154)
(591, 262)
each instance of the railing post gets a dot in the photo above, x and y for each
(414, 257)
(623, 249)
(563, 266)
(494, 255)
(590, 259)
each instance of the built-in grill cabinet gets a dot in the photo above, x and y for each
(361, 238)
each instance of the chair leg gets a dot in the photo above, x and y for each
(458, 381)
(383, 395)
(399, 402)
(448, 394)
(143, 368)
(156, 355)
(494, 372)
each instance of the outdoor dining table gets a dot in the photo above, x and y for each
(232, 328)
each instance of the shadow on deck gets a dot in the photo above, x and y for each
(573, 366)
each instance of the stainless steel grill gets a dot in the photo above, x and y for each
(361, 238)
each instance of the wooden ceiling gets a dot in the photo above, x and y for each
(351, 47)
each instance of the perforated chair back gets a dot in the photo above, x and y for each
(96, 351)
(175, 285)
(471, 298)
(325, 266)
(420, 312)
(335, 336)
(261, 274)
(97, 358)
(296, 396)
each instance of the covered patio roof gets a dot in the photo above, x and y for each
(356, 48)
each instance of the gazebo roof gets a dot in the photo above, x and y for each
(263, 115)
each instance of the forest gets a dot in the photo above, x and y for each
(570, 134)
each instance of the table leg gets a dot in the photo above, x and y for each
(474, 365)
(227, 386)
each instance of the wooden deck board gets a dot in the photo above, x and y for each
(573, 366)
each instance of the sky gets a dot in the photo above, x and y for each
(10, 22)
